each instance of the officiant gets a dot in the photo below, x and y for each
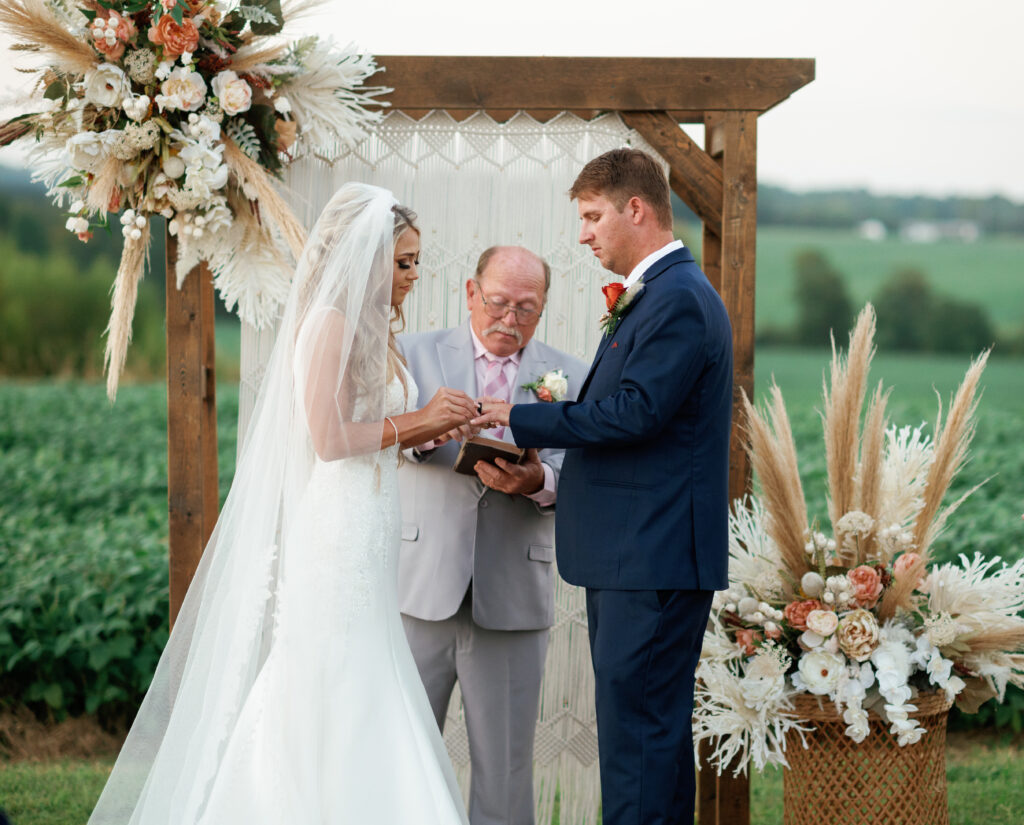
(476, 577)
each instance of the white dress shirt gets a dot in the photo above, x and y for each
(649, 261)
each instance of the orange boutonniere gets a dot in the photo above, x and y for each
(617, 298)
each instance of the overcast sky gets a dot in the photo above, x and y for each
(911, 96)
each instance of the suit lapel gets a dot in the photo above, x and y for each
(677, 256)
(455, 355)
(532, 365)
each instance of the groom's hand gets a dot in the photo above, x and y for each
(525, 478)
(493, 413)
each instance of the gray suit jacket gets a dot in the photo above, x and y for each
(454, 528)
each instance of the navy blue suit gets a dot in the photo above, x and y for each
(642, 523)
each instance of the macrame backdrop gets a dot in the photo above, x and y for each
(474, 184)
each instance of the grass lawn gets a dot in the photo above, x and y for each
(984, 788)
(988, 272)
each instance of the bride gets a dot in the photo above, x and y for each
(287, 692)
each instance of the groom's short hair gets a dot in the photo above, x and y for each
(622, 174)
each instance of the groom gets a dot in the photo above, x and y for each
(642, 518)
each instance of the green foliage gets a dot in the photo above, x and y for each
(83, 550)
(988, 272)
(823, 304)
(911, 317)
(53, 314)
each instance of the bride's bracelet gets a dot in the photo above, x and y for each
(393, 424)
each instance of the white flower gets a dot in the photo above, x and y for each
(186, 58)
(764, 681)
(173, 166)
(136, 107)
(86, 150)
(183, 89)
(810, 640)
(106, 85)
(556, 383)
(820, 671)
(812, 584)
(234, 94)
(164, 69)
(282, 105)
(77, 225)
(202, 127)
(204, 171)
(855, 521)
(822, 622)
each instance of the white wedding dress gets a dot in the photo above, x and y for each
(337, 729)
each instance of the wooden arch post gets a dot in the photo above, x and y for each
(654, 96)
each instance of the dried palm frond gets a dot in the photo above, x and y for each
(31, 23)
(870, 471)
(103, 185)
(328, 98)
(1005, 638)
(249, 57)
(271, 203)
(773, 458)
(843, 401)
(12, 130)
(126, 292)
(952, 441)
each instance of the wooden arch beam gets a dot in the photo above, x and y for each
(598, 84)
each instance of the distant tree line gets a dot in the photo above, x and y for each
(842, 209)
(911, 316)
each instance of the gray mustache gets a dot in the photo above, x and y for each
(500, 327)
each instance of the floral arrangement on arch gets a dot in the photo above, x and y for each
(857, 616)
(185, 109)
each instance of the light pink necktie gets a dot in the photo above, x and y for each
(496, 386)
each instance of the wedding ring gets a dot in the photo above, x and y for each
(479, 408)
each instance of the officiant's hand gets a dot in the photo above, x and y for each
(525, 478)
(494, 413)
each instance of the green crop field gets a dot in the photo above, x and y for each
(989, 271)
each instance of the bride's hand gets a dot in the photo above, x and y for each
(448, 410)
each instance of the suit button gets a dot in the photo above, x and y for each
(483, 503)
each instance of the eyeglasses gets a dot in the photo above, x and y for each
(498, 308)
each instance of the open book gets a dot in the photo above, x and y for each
(485, 449)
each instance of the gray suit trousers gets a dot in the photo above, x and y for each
(499, 673)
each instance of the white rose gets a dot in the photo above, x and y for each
(106, 85)
(822, 622)
(174, 167)
(821, 671)
(184, 89)
(283, 105)
(557, 384)
(234, 94)
(86, 151)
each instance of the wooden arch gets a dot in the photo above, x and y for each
(653, 96)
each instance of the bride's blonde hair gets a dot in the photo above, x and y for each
(405, 221)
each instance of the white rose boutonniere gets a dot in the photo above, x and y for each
(551, 386)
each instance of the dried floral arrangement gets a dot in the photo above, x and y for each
(185, 109)
(859, 617)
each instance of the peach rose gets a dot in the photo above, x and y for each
(174, 38)
(745, 638)
(867, 585)
(796, 612)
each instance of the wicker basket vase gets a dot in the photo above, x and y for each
(839, 782)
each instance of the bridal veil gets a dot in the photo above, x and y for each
(323, 395)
